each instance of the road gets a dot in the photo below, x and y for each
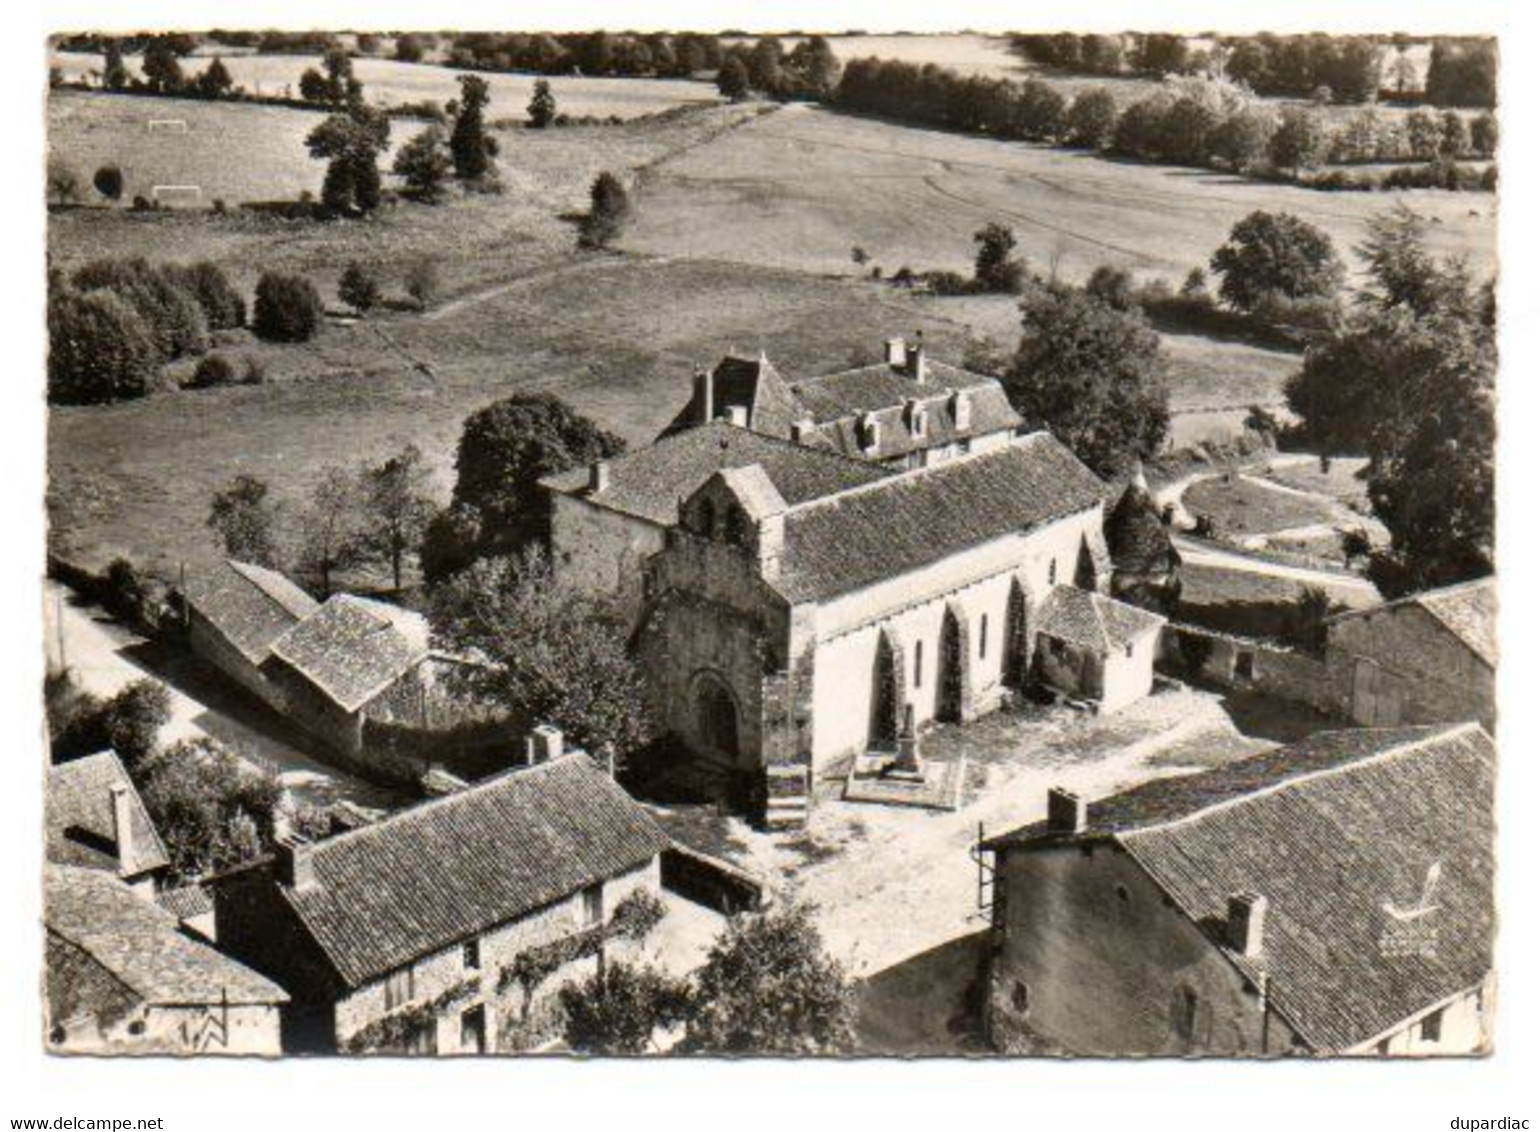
(102, 656)
(1357, 592)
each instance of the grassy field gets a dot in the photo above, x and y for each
(388, 83)
(1240, 507)
(800, 187)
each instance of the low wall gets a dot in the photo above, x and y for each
(710, 882)
(1189, 652)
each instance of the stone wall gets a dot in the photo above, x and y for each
(209, 644)
(1427, 675)
(1248, 665)
(602, 551)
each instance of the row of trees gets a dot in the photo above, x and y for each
(809, 70)
(1193, 120)
(590, 53)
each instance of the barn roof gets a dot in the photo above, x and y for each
(905, 522)
(1374, 851)
(452, 868)
(250, 605)
(1092, 620)
(80, 823)
(352, 649)
(1467, 610)
(115, 948)
(650, 482)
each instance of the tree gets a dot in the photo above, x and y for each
(1185, 131)
(551, 652)
(331, 528)
(615, 1010)
(162, 69)
(733, 79)
(1454, 135)
(288, 308)
(1113, 286)
(128, 722)
(1403, 273)
(422, 281)
(451, 541)
(63, 183)
(995, 269)
(1276, 254)
(223, 306)
(359, 287)
(108, 181)
(410, 48)
(1483, 134)
(1423, 134)
(1093, 118)
(1301, 141)
(1241, 140)
(609, 211)
(212, 811)
(398, 506)
(542, 106)
(99, 348)
(813, 68)
(114, 72)
(1094, 375)
(765, 63)
(159, 293)
(245, 517)
(768, 987)
(351, 144)
(507, 448)
(425, 165)
(215, 81)
(469, 144)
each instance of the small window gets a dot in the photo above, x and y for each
(983, 636)
(470, 952)
(1122, 892)
(1021, 998)
(1128, 652)
(398, 988)
(1432, 1028)
(1245, 665)
(919, 663)
(593, 905)
(1053, 571)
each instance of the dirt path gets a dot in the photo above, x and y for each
(1361, 591)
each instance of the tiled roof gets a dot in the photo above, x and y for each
(752, 383)
(1374, 851)
(650, 482)
(352, 649)
(452, 868)
(186, 903)
(1467, 610)
(139, 945)
(81, 829)
(252, 606)
(1093, 620)
(877, 532)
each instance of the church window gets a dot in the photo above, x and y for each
(983, 636)
(919, 663)
(1053, 571)
(734, 524)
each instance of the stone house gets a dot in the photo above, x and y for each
(235, 612)
(1331, 897)
(1427, 658)
(402, 936)
(782, 634)
(95, 819)
(1092, 647)
(121, 978)
(904, 412)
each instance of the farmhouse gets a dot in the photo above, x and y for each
(406, 935)
(780, 636)
(235, 613)
(94, 819)
(1427, 658)
(122, 979)
(1332, 897)
(905, 412)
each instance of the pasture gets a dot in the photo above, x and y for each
(389, 83)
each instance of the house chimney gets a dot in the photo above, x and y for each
(295, 867)
(802, 430)
(895, 352)
(703, 396)
(962, 411)
(123, 826)
(738, 416)
(542, 744)
(598, 476)
(869, 432)
(1248, 919)
(914, 415)
(1066, 811)
(914, 357)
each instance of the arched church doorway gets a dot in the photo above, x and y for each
(716, 716)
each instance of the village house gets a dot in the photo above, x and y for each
(235, 612)
(1331, 897)
(123, 979)
(95, 819)
(1427, 658)
(782, 636)
(407, 935)
(904, 412)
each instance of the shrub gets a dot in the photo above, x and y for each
(359, 287)
(616, 1010)
(422, 282)
(123, 593)
(424, 164)
(63, 183)
(213, 370)
(109, 182)
(99, 349)
(223, 307)
(288, 309)
(608, 213)
(160, 294)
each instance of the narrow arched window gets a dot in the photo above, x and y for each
(919, 663)
(983, 636)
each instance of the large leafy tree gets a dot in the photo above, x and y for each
(245, 517)
(1092, 374)
(471, 147)
(1276, 254)
(351, 144)
(769, 987)
(550, 654)
(996, 267)
(424, 164)
(504, 451)
(332, 528)
(99, 348)
(212, 811)
(398, 506)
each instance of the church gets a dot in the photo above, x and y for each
(796, 601)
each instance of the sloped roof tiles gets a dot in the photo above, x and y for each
(352, 649)
(82, 827)
(250, 605)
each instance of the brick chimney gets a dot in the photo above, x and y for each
(1247, 922)
(295, 866)
(598, 476)
(896, 353)
(123, 826)
(738, 416)
(802, 430)
(914, 357)
(703, 396)
(542, 744)
(1066, 811)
